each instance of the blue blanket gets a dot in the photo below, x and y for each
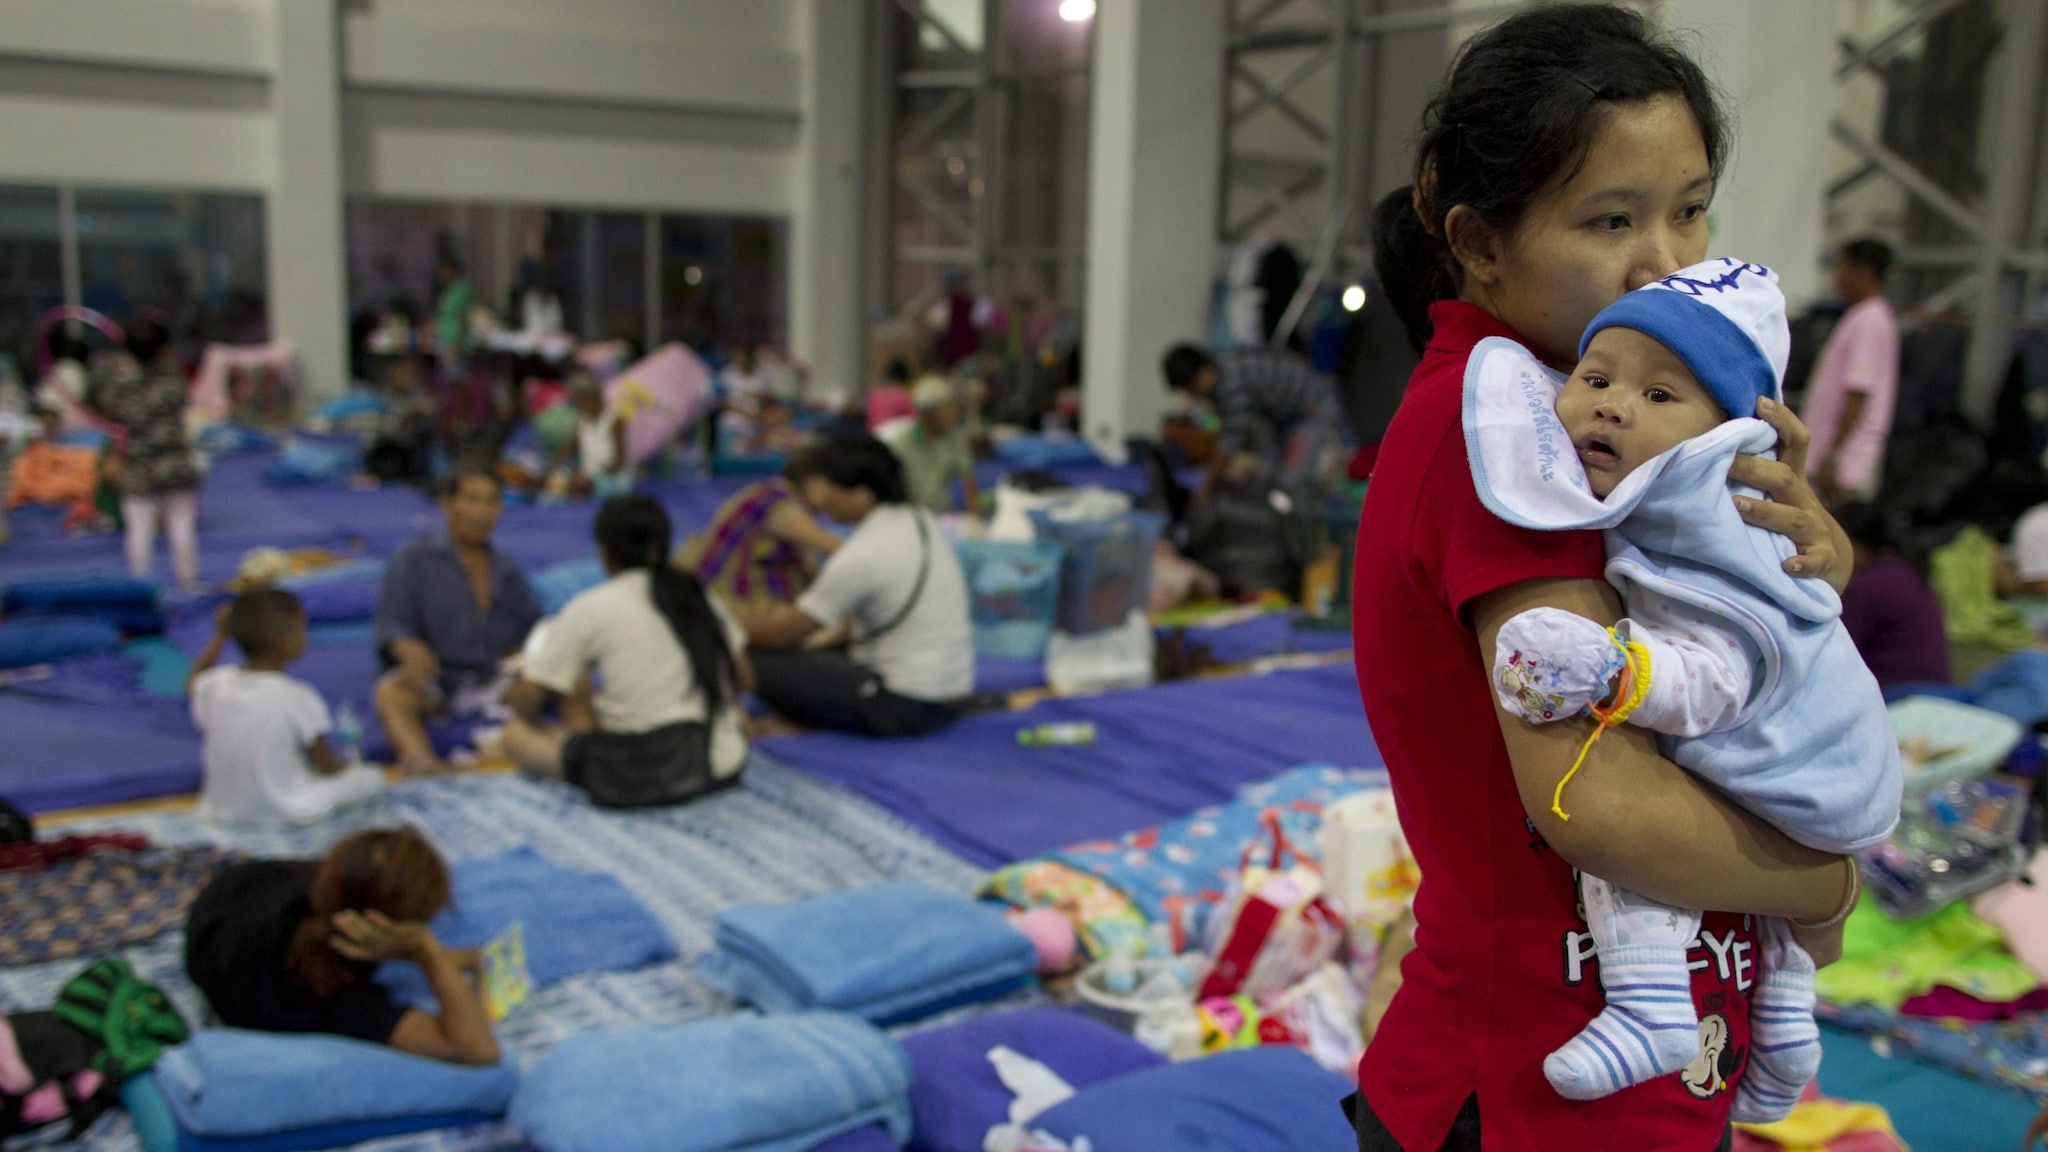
(957, 1096)
(227, 1082)
(742, 1084)
(1255, 1100)
(1158, 754)
(889, 952)
(574, 921)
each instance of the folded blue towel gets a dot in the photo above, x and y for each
(157, 1130)
(228, 1082)
(889, 952)
(738, 1084)
(574, 921)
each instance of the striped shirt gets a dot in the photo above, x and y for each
(1279, 390)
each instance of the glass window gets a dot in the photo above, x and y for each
(193, 259)
(722, 281)
(31, 270)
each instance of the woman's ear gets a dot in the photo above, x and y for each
(1475, 244)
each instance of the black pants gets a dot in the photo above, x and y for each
(1374, 1137)
(827, 690)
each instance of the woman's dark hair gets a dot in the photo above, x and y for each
(390, 870)
(1869, 253)
(1518, 110)
(861, 461)
(1181, 364)
(145, 339)
(633, 531)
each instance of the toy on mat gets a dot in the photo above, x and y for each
(506, 980)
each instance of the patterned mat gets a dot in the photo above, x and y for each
(780, 836)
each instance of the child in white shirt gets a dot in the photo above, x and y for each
(267, 757)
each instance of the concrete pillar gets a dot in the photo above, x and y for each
(1774, 62)
(825, 286)
(1157, 87)
(305, 241)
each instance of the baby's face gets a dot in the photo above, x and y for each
(1630, 400)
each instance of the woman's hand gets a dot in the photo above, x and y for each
(1793, 509)
(373, 938)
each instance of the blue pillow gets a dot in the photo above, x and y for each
(77, 595)
(340, 601)
(1256, 1100)
(46, 640)
(957, 1096)
(873, 1138)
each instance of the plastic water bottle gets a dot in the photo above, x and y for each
(1075, 733)
(348, 734)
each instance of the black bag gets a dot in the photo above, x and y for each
(667, 765)
(15, 826)
(63, 1084)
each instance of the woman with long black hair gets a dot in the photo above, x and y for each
(647, 670)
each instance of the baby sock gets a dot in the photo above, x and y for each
(1784, 1044)
(1649, 1027)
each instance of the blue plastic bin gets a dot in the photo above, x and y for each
(1108, 568)
(1014, 590)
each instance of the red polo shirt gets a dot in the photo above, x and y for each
(1503, 970)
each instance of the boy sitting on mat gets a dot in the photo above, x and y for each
(267, 756)
(1746, 671)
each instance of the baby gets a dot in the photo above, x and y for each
(1746, 673)
(266, 756)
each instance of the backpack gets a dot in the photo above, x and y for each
(47, 1075)
(132, 1020)
(15, 826)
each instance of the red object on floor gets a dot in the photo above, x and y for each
(15, 857)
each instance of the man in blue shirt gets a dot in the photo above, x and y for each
(451, 610)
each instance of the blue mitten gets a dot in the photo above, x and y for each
(1549, 664)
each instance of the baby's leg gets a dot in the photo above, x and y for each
(1649, 1027)
(1784, 1044)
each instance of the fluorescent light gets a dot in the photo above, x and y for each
(1077, 11)
(1354, 298)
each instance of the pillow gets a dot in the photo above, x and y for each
(25, 643)
(1254, 1100)
(340, 601)
(71, 593)
(957, 1097)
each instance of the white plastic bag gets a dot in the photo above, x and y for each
(1118, 657)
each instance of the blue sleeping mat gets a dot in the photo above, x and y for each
(1159, 753)
(91, 734)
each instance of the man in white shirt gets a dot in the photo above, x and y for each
(896, 586)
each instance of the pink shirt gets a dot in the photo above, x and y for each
(1861, 356)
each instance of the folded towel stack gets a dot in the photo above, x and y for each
(890, 953)
(741, 1084)
(226, 1087)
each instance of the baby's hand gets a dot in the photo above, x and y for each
(1550, 664)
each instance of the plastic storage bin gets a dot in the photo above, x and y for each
(1944, 741)
(1014, 591)
(1108, 569)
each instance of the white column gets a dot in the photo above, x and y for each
(1157, 86)
(305, 238)
(825, 234)
(1774, 63)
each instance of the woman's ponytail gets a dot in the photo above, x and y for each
(1413, 263)
(633, 531)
